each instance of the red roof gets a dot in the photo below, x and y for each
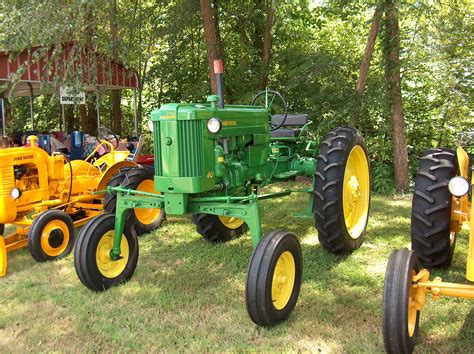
(44, 65)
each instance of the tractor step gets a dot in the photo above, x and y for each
(286, 175)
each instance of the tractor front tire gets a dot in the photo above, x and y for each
(342, 191)
(431, 235)
(92, 261)
(51, 236)
(400, 316)
(216, 228)
(274, 278)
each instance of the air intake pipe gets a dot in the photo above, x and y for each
(218, 71)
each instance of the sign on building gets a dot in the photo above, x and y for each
(69, 95)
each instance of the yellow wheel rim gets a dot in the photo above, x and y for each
(3, 257)
(412, 308)
(55, 238)
(356, 192)
(231, 222)
(283, 280)
(147, 216)
(108, 268)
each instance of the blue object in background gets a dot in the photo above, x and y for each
(45, 143)
(77, 145)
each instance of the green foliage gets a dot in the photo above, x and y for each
(382, 178)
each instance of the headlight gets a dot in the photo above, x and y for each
(214, 125)
(150, 125)
(15, 193)
(458, 186)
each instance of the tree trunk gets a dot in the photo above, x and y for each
(212, 40)
(364, 66)
(89, 116)
(392, 72)
(267, 44)
(116, 94)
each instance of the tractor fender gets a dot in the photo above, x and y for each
(112, 170)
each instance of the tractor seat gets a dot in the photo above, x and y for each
(291, 127)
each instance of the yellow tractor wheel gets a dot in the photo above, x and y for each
(274, 278)
(92, 260)
(400, 314)
(139, 178)
(342, 191)
(217, 228)
(51, 236)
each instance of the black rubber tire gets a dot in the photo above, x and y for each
(328, 192)
(398, 280)
(36, 230)
(211, 228)
(131, 180)
(431, 208)
(258, 289)
(110, 199)
(85, 253)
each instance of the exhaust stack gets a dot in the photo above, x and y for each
(218, 71)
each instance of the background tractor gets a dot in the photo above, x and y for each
(211, 161)
(440, 209)
(45, 197)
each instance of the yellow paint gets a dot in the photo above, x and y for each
(283, 280)
(55, 231)
(231, 222)
(356, 192)
(470, 253)
(463, 162)
(147, 216)
(229, 123)
(220, 159)
(3, 258)
(108, 268)
(47, 184)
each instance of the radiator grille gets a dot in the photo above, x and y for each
(190, 137)
(156, 149)
(7, 180)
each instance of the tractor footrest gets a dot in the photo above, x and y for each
(286, 175)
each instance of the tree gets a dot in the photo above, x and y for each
(116, 94)
(267, 43)
(394, 95)
(364, 66)
(213, 42)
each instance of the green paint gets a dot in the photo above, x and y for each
(201, 172)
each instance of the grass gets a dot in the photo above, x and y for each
(188, 295)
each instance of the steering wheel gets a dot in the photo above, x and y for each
(103, 133)
(275, 103)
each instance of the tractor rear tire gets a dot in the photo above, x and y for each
(342, 191)
(216, 228)
(431, 235)
(142, 179)
(274, 278)
(400, 322)
(110, 198)
(51, 236)
(92, 260)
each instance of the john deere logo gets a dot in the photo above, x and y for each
(229, 123)
(210, 174)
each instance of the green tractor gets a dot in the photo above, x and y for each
(211, 161)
